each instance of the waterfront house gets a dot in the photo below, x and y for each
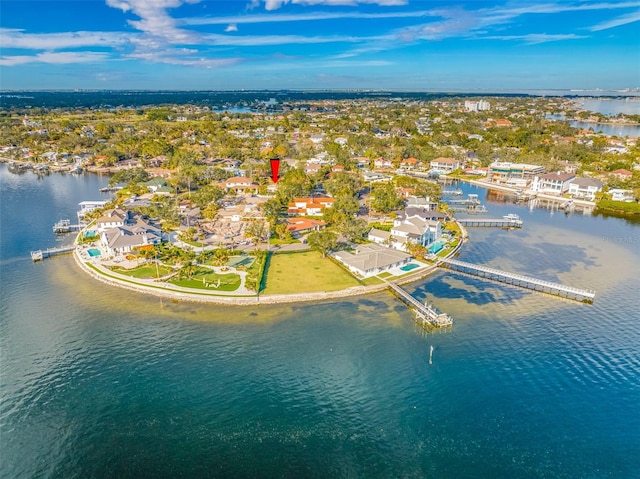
(552, 183)
(445, 165)
(618, 194)
(113, 218)
(514, 174)
(372, 259)
(585, 188)
(124, 239)
(414, 229)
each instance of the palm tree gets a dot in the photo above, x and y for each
(187, 269)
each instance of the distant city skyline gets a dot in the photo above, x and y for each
(320, 44)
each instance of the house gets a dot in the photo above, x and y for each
(309, 206)
(312, 168)
(241, 184)
(618, 194)
(379, 236)
(445, 165)
(113, 218)
(585, 188)
(501, 123)
(421, 202)
(317, 139)
(553, 183)
(300, 226)
(426, 214)
(124, 239)
(516, 174)
(414, 230)
(409, 163)
(382, 163)
(372, 259)
(622, 175)
(154, 184)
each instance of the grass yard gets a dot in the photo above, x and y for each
(305, 272)
(210, 281)
(142, 272)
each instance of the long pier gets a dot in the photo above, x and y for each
(506, 222)
(514, 279)
(40, 254)
(424, 312)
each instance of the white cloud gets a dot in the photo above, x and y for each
(154, 19)
(275, 4)
(536, 38)
(249, 41)
(53, 57)
(178, 57)
(617, 22)
(13, 38)
(301, 17)
(232, 27)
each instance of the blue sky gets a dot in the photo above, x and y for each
(289, 44)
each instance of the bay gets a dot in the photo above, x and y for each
(97, 381)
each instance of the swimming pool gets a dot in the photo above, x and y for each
(90, 234)
(94, 252)
(437, 246)
(409, 267)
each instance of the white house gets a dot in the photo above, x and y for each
(585, 188)
(125, 238)
(114, 218)
(553, 183)
(372, 259)
(446, 165)
(618, 194)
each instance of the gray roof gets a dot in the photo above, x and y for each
(376, 233)
(371, 257)
(586, 181)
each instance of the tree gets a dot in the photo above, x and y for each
(386, 199)
(323, 241)
(353, 229)
(187, 269)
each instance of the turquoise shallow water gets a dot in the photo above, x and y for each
(101, 382)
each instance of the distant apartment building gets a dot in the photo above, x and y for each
(481, 105)
(515, 174)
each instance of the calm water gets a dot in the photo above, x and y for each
(101, 382)
(629, 106)
(606, 128)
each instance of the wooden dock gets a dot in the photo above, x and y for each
(509, 221)
(514, 279)
(65, 226)
(425, 314)
(40, 254)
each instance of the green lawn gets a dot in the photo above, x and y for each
(144, 271)
(305, 272)
(228, 282)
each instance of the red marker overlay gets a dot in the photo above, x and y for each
(275, 166)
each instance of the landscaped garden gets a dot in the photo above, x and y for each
(143, 272)
(204, 278)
